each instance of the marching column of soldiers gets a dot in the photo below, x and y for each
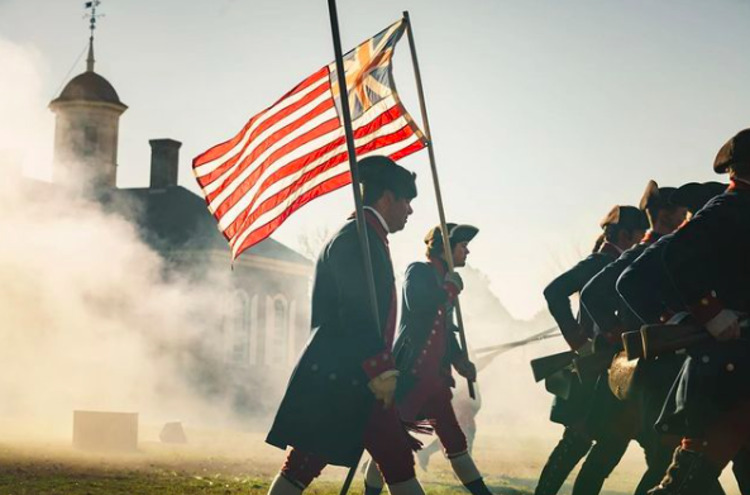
(658, 354)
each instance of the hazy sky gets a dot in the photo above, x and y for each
(544, 113)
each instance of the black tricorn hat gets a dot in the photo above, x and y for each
(456, 233)
(655, 197)
(626, 217)
(382, 171)
(736, 151)
(694, 195)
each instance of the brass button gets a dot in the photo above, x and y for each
(704, 302)
(373, 363)
(730, 367)
(706, 359)
(332, 376)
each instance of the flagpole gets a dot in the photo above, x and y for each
(359, 209)
(438, 195)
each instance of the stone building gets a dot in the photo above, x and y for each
(266, 316)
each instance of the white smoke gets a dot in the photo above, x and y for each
(88, 318)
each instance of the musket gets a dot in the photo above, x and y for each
(519, 343)
(658, 340)
(546, 366)
(632, 343)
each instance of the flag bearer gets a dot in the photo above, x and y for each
(340, 396)
(427, 350)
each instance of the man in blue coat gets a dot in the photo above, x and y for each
(622, 228)
(612, 317)
(427, 350)
(339, 399)
(708, 263)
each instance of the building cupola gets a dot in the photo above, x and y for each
(86, 127)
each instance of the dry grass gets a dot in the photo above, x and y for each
(223, 462)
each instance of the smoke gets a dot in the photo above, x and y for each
(90, 316)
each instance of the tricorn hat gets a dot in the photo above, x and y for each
(383, 172)
(655, 197)
(626, 217)
(736, 151)
(694, 195)
(456, 233)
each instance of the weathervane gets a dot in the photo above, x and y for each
(92, 16)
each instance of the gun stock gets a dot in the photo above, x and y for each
(663, 339)
(632, 342)
(546, 366)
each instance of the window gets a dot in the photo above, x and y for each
(90, 140)
(241, 315)
(277, 331)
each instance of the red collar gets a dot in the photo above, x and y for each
(377, 226)
(650, 237)
(374, 222)
(738, 185)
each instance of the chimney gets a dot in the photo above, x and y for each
(165, 158)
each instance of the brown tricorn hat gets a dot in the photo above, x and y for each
(626, 217)
(735, 152)
(456, 233)
(694, 195)
(655, 197)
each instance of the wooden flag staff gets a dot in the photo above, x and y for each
(438, 195)
(360, 214)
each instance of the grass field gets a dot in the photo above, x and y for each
(224, 463)
(56, 469)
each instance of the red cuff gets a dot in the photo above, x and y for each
(452, 291)
(706, 308)
(378, 364)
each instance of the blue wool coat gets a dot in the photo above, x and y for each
(327, 402)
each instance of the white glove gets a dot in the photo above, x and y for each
(455, 279)
(724, 326)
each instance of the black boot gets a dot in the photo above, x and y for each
(477, 487)
(689, 474)
(373, 490)
(563, 459)
(600, 462)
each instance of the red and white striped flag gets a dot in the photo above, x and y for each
(295, 150)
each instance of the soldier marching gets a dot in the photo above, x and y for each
(679, 259)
